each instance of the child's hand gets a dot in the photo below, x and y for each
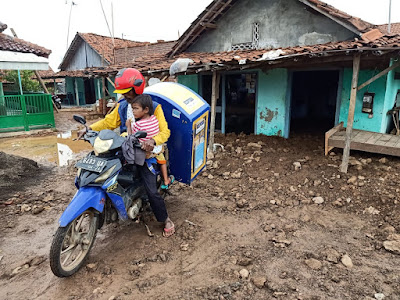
(128, 126)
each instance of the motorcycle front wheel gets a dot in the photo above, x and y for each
(72, 243)
(58, 105)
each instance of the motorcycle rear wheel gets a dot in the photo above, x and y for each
(71, 244)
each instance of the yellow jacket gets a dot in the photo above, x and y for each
(112, 121)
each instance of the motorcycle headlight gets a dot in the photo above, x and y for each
(105, 175)
(101, 146)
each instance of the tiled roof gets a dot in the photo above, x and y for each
(104, 45)
(358, 23)
(9, 43)
(394, 28)
(157, 63)
(215, 10)
(128, 54)
(235, 59)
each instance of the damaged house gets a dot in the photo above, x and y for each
(283, 66)
(89, 50)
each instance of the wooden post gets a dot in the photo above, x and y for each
(350, 116)
(45, 88)
(76, 92)
(214, 96)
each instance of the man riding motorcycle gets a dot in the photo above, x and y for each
(130, 82)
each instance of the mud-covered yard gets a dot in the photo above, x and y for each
(269, 219)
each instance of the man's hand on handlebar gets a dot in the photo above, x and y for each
(148, 145)
(81, 133)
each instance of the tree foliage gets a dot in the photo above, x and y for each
(28, 84)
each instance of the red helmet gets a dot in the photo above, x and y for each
(129, 78)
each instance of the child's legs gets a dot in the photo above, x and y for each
(163, 167)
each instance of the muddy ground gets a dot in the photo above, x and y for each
(269, 219)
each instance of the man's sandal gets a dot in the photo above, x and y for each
(166, 186)
(168, 232)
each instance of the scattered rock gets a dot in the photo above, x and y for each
(379, 296)
(244, 261)
(383, 160)
(332, 255)
(297, 165)
(91, 267)
(254, 145)
(210, 176)
(346, 260)
(25, 208)
(259, 281)
(241, 203)
(244, 273)
(37, 210)
(184, 247)
(37, 260)
(318, 200)
(98, 290)
(313, 263)
(372, 211)
(392, 246)
(352, 180)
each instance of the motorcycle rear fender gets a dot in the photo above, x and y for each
(87, 197)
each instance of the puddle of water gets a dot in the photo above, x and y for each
(57, 149)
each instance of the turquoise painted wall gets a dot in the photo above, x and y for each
(111, 88)
(271, 110)
(81, 91)
(392, 86)
(191, 81)
(361, 120)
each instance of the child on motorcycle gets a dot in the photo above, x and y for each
(142, 110)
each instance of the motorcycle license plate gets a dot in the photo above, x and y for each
(92, 163)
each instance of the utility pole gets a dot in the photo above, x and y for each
(390, 14)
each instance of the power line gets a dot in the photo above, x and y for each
(107, 22)
(69, 19)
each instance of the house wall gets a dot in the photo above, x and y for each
(362, 120)
(70, 88)
(271, 110)
(84, 57)
(191, 81)
(282, 23)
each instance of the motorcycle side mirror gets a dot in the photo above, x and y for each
(140, 134)
(80, 119)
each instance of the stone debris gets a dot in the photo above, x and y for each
(313, 263)
(318, 200)
(379, 296)
(297, 165)
(244, 273)
(346, 261)
(259, 281)
(371, 210)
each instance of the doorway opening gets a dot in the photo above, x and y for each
(313, 101)
(90, 95)
(240, 94)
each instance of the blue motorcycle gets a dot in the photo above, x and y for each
(108, 190)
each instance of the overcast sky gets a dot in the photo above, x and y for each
(45, 22)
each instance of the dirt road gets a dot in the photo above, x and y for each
(268, 219)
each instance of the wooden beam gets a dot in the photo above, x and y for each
(350, 116)
(214, 96)
(208, 25)
(110, 81)
(387, 70)
(328, 134)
